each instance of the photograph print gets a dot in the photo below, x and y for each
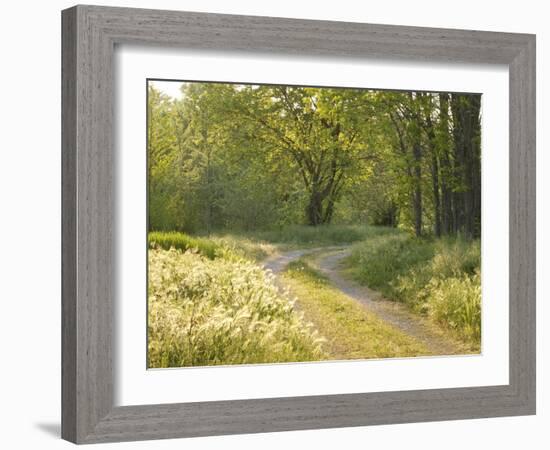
(292, 224)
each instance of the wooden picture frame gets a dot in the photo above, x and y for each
(90, 34)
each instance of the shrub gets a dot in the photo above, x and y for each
(438, 277)
(220, 311)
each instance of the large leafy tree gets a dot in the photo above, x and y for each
(315, 131)
(258, 156)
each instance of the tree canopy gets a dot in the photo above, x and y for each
(236, 156)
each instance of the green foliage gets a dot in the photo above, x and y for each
(438, 277)
(250, 157)
(221, 311)
(235, 170)
(208, 173)
(169, 178)
(212, 247)
(181, 241)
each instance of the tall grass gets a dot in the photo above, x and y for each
(259, 244)
(220, 311)
(304, 235)
(456, 302)
(182, 241)
(438, 277)
(211, 247)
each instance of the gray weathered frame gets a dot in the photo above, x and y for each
(89, 36)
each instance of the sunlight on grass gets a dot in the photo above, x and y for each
(213, 246)
(351, 331)
(437, 277)
(222, 311)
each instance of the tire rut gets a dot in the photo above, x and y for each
(329, 263)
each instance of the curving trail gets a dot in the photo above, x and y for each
(328, 261)
(277, 263)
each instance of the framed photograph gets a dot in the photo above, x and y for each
(278, 224)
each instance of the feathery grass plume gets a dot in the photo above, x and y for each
(221, 311)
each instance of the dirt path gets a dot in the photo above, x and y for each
(278, 262)
(328, 260)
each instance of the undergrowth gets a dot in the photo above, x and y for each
(438, 277)
(225, 310)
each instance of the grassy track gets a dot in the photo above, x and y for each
(351, 332)
(210, 301)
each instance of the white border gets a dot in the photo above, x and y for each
(136, 385)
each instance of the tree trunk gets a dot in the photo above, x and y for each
(476, 164)
(466, 133)
(417, 199)
(468, 173)
(434, 168)
(459, 203)
(329, 211)
(320, 208)
(435, 189)
(314, 209)
(447, 225)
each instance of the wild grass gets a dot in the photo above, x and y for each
(225, 310)
(213, 246)
(456, 302)
(260, 244)
(182, 241)
(438, 277)
(245, 247)
(210, 304)
(322, 235)
(351, 332)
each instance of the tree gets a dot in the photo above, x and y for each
(467, 153)
(162, 153)
(316, 129)
(229, 156)
(444, 143)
